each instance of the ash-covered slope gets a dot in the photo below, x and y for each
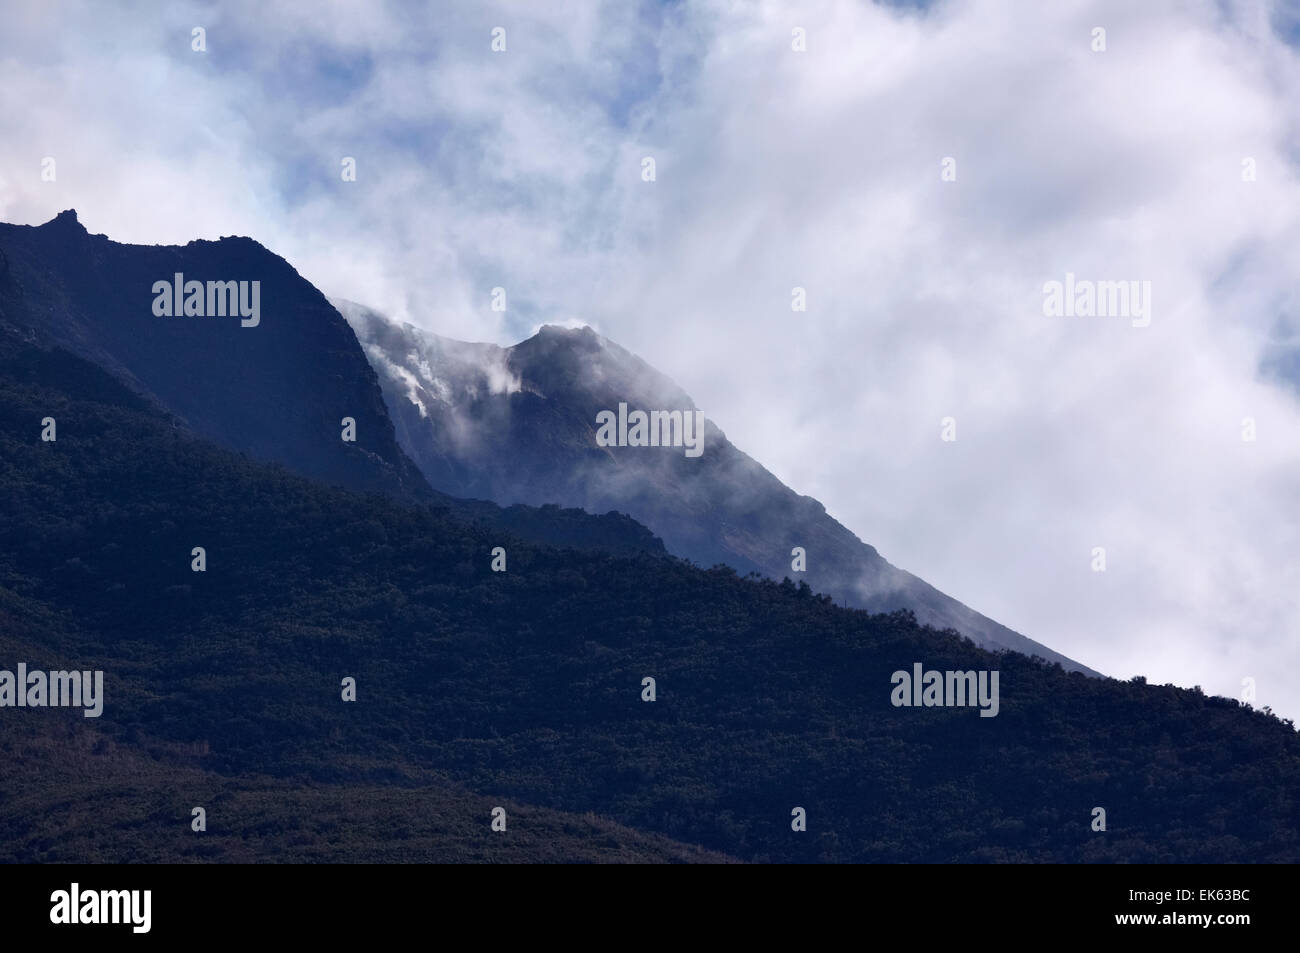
(519, 424)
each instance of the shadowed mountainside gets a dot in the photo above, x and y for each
(518, 425)
(277, 391)
(526, 686)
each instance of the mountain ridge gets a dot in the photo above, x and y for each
(532, 437)
(248, 388)
(528, 687)
(278, 391)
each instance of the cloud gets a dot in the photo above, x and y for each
(776, 169)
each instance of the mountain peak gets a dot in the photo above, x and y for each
(67, 219)
(560, 332)
(532, 440)
(565, 329)
(93, 296)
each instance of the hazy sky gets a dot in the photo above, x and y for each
(779, 168)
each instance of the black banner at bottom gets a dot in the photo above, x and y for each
(332, 903)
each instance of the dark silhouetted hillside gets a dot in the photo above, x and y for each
(525, 686)
(277, 391)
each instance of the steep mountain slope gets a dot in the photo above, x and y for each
(526, 685)
(277, 390)
(519, 425)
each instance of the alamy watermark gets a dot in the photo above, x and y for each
(656, 428)
(219, 299)
(935, 689)
(37, 689)
(1098, 299)
(74, 905)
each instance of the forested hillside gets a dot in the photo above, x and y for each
(525, 686)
